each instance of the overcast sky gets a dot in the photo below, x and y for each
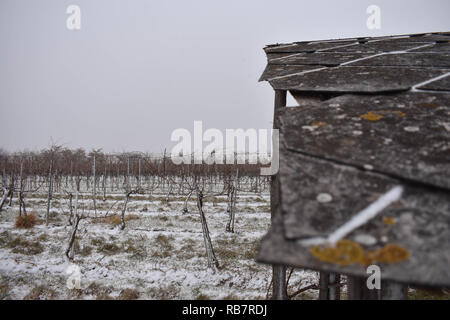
(137, 70)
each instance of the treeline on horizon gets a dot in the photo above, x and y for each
(79, 162)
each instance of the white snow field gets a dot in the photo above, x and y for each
(159, 255)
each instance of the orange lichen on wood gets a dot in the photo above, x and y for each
(371, 116)
(389, 221)
(400, 114)
(318, 124)
(391, 253)
(428, 105)
(347, 252)
(375, 116)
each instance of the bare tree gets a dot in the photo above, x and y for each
(185, 207)
(21, 187)
(70, 253)
(70, 195)
(124, 208)
(232, 190)
(52, 155)
(4, 197)
(213, 263)
(94, 191)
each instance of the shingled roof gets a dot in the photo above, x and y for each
(373, 113)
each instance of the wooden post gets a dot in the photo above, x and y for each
(357, 289)
(354, 288)
(324, 281)
(94, 194)
(334, 286)
(50, 187)
(391, 290)
(279, 291)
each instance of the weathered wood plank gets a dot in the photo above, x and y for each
(438, 85)
(436, 48)
(405, 135)
(358, 79)
(338, 154)
(331, 59)
(409, 59)
(421, 220)
(273, 71)
(279, 290)
(379, 47)
(308, 46)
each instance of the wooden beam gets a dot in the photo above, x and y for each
(357, 289)
(354, 288)
(391, 290)
(334, 286)
(324, 281)
(279, 291)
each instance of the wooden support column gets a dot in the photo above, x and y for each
(334, 286)
(324, 281)
(357, 289)
(278, 271)
(329, 286)
(393, 291)
(354, 288)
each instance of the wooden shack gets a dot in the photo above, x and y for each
(372, 114)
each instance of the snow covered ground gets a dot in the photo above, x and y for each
(160, 254)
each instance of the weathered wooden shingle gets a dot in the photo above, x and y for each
(308, 46)
(273, 70)
(421, 220)
(409, 59)
(385, 64)
(436, 48)
(318, 58)
(379, 47)
(349, 79)
(370, 118)
(438, 85)
(405, 135)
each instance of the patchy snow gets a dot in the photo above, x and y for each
(160, 254)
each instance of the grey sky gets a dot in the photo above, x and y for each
(137, 70)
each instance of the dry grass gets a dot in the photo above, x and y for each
(40, 293)
(164, 246)
(136, 250)
(230, 297)
(168, 292)
(202, 296)
(5, 238)
(105, 247)
(128, 294)
(250, 253)
(42, 237)
(109, 249)
(26, 221)
(226, 254)
(115, 219)
(98, 291)
(421, 293)
(188, 250)
(25, 247)
(163, 240)
(4, 288)
(85, 251)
